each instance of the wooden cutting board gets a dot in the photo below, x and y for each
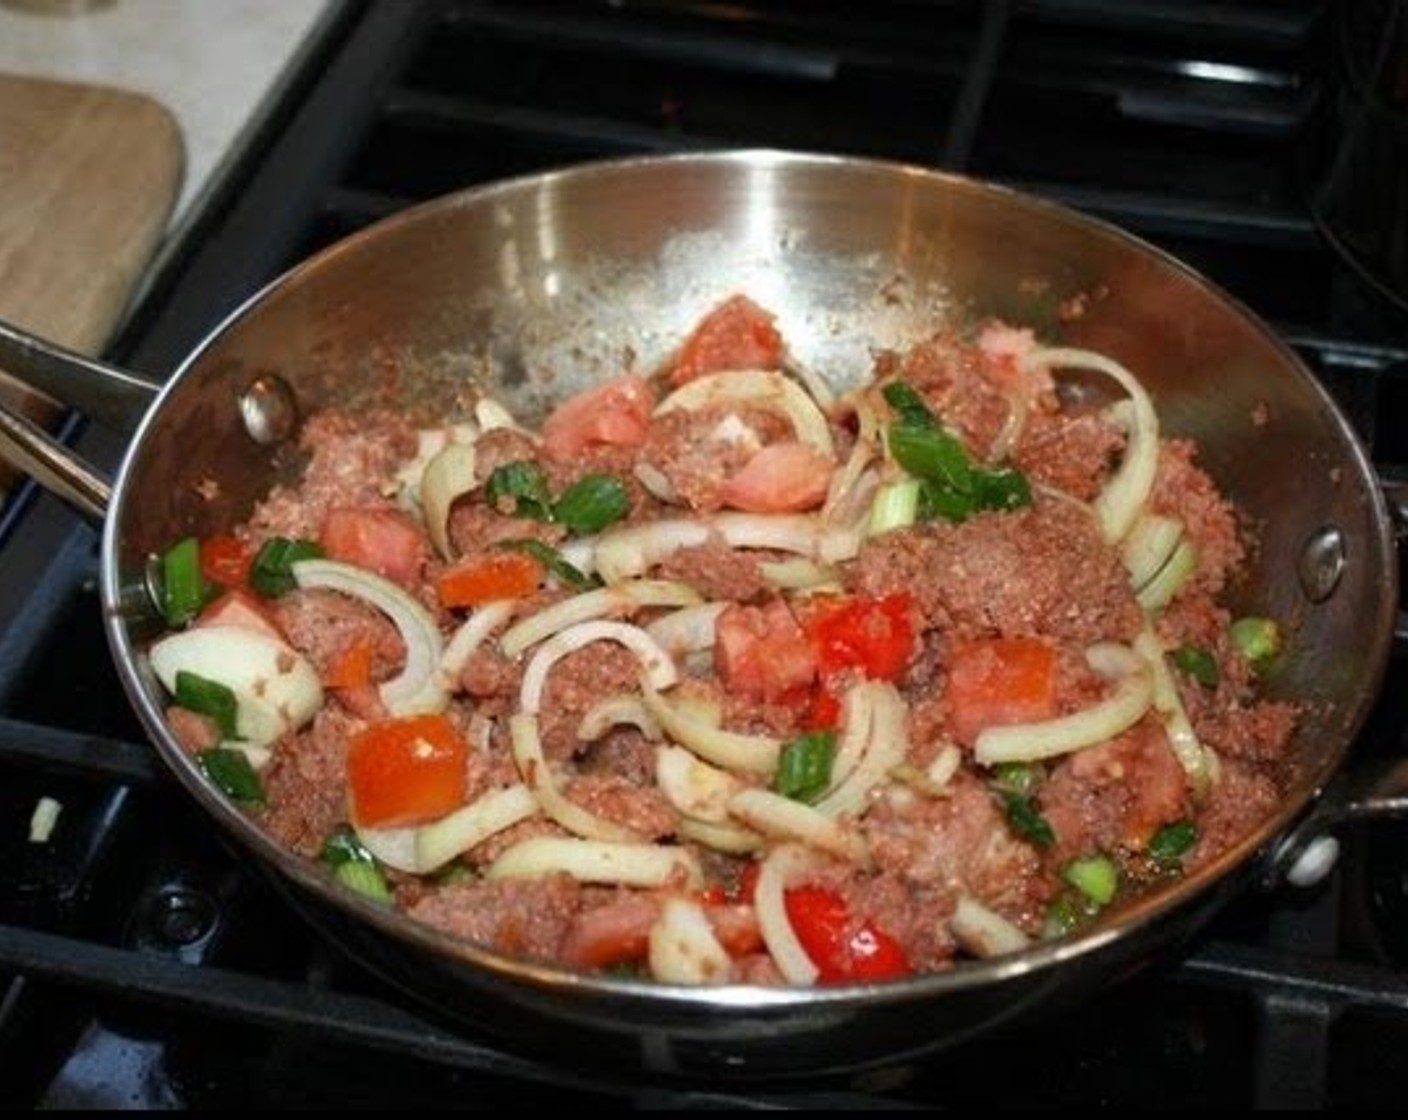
(88, 179)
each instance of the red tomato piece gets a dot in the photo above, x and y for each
(406, 771)
(781, 478)
(352, 668)
(736, 927)
(616, 412)
(494, 575)
(874, 636)
(737, 334)
(385, 541)
(240, 608)
(997, 681)
(225, 561)
(841, 948)
(762, 651)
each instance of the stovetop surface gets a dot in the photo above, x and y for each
(145, 963)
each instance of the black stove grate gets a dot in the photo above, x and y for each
(143, 963)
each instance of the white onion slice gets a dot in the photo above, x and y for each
(721, 837)
(857, 712)
(692, 786)
(812, 382)
(780, 868)
(764, 388)
(659, 667)
(492, 415)
(466, 828)
(417, 688)
(1026, 742)
(843, 502)
(599, 861)
(1149, 547)
(537, 776)
(683, 948)
(781, 818)
(655, 481)
(687, 630)
(429, 443)
(886, 747)
(801, 574)
(447, 476)
(757, 754)
(624, 598)
(472, 634)
(984, 932)
(1159, 591)
(276, 688)
(1124, 496)
(625, 708)
(1191, 753)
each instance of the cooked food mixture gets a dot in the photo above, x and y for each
(717, 677)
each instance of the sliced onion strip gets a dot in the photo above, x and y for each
(763, 388)
(692, 786)
(472, 634)
(448, 476)
(983, 931)
(429, 847)
(687, 630)
(1149, 547)
(757, 754)
(886, 747)
(599, 861)
(1159, 591)
(1124, 496)
(781, 818)
(624, 708)
(783, 866)
(683, 948)
(417, 688)
(622, 599)
(1027, 742)
(537, 776)
(726, 838)
(659, 667)
(1182, 738)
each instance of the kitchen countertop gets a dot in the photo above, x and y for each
(212, 63)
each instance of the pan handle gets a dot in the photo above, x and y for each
(106, 393)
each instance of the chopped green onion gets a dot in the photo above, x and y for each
(592, 503)
(183, 589)
(1173, 841)
(1259, 639)
(353, 866)
(208, 698)
(364, 878)
(1068, 912)
(232, 774)
(1018, 778)
(895, 507)
(1095, 876)
(553, 561)
(1198, 663)
(1004, 488)
(526, 483)
(909, 406)
(932, 454)
(804, 769)
(1026, 822)
(271, 573)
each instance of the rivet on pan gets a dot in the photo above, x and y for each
(270, 415)
(1322, 563)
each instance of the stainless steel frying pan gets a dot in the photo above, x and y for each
(532, 288)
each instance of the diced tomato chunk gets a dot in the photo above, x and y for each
(762, 651)
(494, 575)
(997, 681)
(737, 334)
(736, 927)
(406, 771)
(616, 412)
(225, 561)
(873, 636)
(240, 608)
(352, 668)
(841, 948)
(385, 541)
(781, 478)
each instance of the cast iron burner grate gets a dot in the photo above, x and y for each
(143, 963)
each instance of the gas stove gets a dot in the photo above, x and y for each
(143, 963)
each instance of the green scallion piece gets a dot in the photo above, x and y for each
(1003, 488)
(526, 484)
(232, 774)
(896, 506)
(550, 558)
(1173, 841)
(1068, 912)
(592, 503)
(804, 769)
(1026, 822)
(1259, 639)
(271, 573)
(1018, 778)
(353, 866)
(909, 406)
(1095, 876)
(343, 846)
(1198, 663)
(184, 590)
(933, 455)
(209, 698)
